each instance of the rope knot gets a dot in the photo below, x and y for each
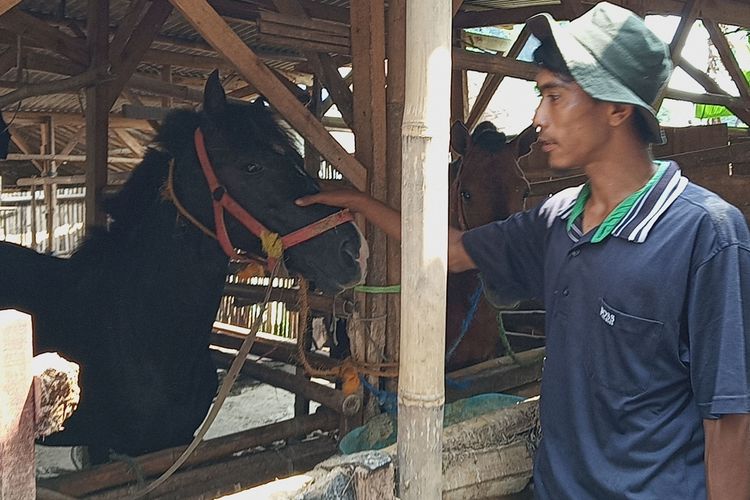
(272, 244)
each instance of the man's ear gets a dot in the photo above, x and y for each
(620, 113)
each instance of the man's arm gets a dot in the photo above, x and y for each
(727, 457)
(388, 220)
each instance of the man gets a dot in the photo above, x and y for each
(645, 279)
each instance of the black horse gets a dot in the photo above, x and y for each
(134, 305)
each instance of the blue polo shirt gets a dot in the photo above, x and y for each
(647, 334)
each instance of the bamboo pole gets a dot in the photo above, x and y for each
(424, 227)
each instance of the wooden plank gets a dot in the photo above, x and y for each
(87, 481)
(489, 63)
(727, 58)
(733, 12)
(300, 20)
(424, 226)
(303, 44)
(337, 42)
(132, 53)
(27, 26)
(688, 15)
(492, 82)
(324, 67)
(97, 114)
(6, 5)
(17, 470)
(394, 95)
(368, 67)
(215, 30)
(711, 86)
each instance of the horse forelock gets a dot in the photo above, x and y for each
(489, 140)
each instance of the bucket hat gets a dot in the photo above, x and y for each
(613, 56)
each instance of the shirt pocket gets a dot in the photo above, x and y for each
(620, 350)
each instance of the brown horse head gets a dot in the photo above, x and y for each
(486, 183)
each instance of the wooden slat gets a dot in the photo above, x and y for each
(489, 63)
(727, 58)
(208, 23)
(296, 33)
(6, 5)
(395, 95)
(734, 12)
(303, 44)
(302, 21)
(368, 66)
(492, 82)
(97, 114)
(711, 86)
(17, 407)
(136, 46)
(50, 38)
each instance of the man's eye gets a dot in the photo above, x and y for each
(253, 168)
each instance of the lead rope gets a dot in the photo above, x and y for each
(239, 360)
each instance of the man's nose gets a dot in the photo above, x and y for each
(539, 119)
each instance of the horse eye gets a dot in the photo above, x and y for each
(253, 168)
(466, 195)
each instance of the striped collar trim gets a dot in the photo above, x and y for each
(637, 224)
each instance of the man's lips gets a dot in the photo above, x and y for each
(547, 145)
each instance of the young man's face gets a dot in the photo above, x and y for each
(573, 126)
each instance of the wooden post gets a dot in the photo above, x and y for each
(368, 67)
(396, 54)
(17, 469)
(97, 114)
(50, 190)
(424, 227)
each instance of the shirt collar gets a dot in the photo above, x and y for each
(633, 219)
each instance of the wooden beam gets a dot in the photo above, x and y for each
(126, 27)
(25, 118)
(215, 30)
(727, 58)
(18, 139)
(130, 141)
(710, 85)
(27, 26)
(707, 98)
(114, 178)
(368, 67)
(87, 481)
(17, 403)
(734, 12)
(74, 158)
(62, 85)
(97, 114)
(492, 81)
(73, 141)
(324, 66)
(489, 63)
(136, 46)
(394, 105)
(6, 5)
(424, 226)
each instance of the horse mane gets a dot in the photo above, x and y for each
(487, 137)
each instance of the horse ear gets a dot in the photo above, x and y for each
(524, 140)
(214, 98)
(460, 138)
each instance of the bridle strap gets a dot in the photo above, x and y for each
(222, 200)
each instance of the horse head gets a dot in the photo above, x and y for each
(256, 164)
(486, 183)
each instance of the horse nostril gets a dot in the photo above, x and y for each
(350, 247)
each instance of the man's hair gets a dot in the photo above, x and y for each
(548, 56)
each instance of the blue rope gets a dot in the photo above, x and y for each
(387, 400)
(474, 300)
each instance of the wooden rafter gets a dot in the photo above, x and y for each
(73, 141)
(493, 81)
(323, 66)
(129, 141)
(489, 63)
(140, 40)
(46, 36)
(727, 57)
(58, 86)
(19, 140)
(742, 111)
(215, 30)
(6, 5)
(125, 29)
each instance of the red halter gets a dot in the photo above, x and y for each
(222, 200)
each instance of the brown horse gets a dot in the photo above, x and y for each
(486, 184)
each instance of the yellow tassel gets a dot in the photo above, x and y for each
(253, 270)
(272, 245)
